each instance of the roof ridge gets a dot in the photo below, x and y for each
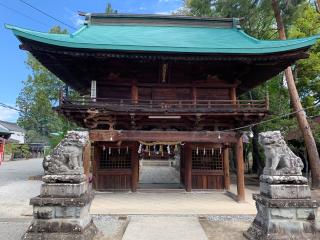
(158, 19)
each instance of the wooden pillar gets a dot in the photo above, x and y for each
(240, 170)
(86, 159)
(134, 93)
(226, 168)
(194, 95)
(61, 97)
(134, 167)
(95, 164)
(188, 168)
(233, 95)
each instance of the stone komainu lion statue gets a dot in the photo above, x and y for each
(67, 156)
(280, 160)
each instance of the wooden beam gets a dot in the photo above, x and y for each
(240, 170)
(165, 136)
(226, 168)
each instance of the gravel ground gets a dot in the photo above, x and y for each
(230, 218)
(228, 228)
(112, 227)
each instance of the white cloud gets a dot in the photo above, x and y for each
(77, 20)
(74, 17)
(7, 114)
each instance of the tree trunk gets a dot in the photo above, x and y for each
(301, 117)
(318, 5)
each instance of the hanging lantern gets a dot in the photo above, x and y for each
(127, 150)
(204, 151)
(168, 149)
(220, 150)
(212, 151)
(250, 132)
(197, 151)
(176, 148)
(119, 151)
(109, 150)
(103, 148)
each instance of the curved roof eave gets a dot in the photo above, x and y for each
(246, 44)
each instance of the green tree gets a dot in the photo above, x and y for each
(110, 10)
(40, 93)
(305, 24)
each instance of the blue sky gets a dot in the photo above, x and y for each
(13, 68)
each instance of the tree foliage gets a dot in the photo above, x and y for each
(39, 94)
(305, 24)
(110, 10)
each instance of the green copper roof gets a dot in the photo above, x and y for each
(164, 38)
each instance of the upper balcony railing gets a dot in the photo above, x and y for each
(174, 106)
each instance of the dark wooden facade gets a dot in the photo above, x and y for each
(204, 164)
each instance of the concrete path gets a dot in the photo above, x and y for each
(164, 227)
(171, 203)
(158, 174)
(15, 188)
(13, 228)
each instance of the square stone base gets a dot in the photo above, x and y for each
(62, 212)
(285, 191)
(284, 219)
(89, 233)
(255, 232)
(63, 189)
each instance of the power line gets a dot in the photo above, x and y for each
(47, 14)
(268, 120)
(22, 14)
(10, 107)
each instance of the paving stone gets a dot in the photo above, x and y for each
(164, 227)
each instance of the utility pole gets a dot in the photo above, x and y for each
(309, 141)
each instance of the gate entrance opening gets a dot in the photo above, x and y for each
(159, 169)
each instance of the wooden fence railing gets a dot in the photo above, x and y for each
(168, 105)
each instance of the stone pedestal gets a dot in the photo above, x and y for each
(61, 211)
(284, 210)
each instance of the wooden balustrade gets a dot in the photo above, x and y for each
(170, 105)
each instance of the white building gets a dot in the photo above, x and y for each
(17, 133)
